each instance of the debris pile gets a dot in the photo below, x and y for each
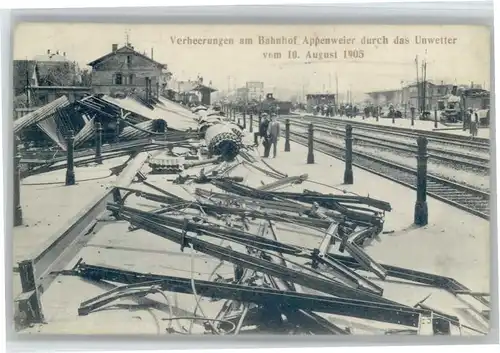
(278, 284)
(121, 132)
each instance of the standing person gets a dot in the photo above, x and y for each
(367, 112)
(273, 131)
(263, 134)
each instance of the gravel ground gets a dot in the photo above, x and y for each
(475, 179)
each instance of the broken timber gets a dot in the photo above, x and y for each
(40, 114)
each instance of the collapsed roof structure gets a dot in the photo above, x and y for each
(279, 282)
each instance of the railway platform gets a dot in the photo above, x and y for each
(454, 244)
(483, 132)
(47, 204)
(453, 240)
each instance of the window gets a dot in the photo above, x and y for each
(129, 59)
(118, 79)
(131, 79)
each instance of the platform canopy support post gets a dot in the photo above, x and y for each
(421, 211)
(348, 176)
(412, 111)
(310, 144)
(435, 118)
(98, 143)
(251, 123)
(70, 163)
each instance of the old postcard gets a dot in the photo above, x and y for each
(250, 179)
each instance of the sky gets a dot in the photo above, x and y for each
(305, 66)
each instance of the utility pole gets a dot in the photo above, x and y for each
(127, 38)
(418, 84)
(424, 84)
(402, 94)
(28, 85)
(336, 92)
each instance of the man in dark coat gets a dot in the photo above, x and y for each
(264, 135)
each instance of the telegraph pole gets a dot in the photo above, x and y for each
(336, 93)
(28, 85)
(418, 84)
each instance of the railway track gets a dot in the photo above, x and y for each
(456, 158)
(458, 195)
(478, 144)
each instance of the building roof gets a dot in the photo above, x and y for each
(201, 87)
(125, 49)
(320, 95)
(188, 86)
(387, 91)
(51, 57)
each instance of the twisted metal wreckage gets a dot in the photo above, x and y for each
(276, 286)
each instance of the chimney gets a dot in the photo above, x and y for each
(64, 54)
(57, 52)
(151, 53)
(48, 51)
(114, 47)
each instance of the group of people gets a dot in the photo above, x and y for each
(269, 133)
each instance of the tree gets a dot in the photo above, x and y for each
(86, 78)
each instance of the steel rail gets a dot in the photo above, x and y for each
(40, 269)
(449, 284)
(475, 142)
(458, 195)
(378, 311)
(436, 154)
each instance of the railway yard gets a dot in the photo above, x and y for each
(459, 168)
(181, 227)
